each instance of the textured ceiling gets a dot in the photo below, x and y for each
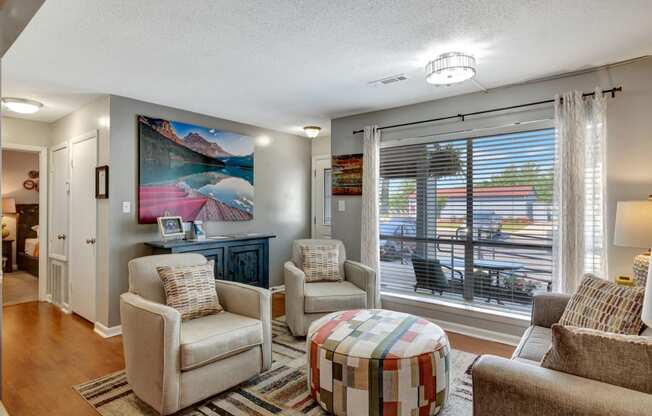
(285, 64)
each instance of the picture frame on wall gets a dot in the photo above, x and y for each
(171, 228)
(347, 175)
(102, 182)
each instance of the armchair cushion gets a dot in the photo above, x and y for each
(215, 337)
(297, 251)
(320, 263)
(191, 289)
(321, 297)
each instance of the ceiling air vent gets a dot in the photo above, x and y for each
(388, 80)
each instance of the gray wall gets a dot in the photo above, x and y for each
(282, 190)
(629, 171)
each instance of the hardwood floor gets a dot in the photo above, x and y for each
(46, 352)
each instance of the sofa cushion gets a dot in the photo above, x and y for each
(320, 297)
(191, 289)
(605, 306)
(215, 337)
(297, 251)
(320, 263)
(534, 345)
(621, 360)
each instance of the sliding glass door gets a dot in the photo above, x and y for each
(469, 219)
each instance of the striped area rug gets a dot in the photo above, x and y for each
(282, 390)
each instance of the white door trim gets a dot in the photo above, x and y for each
(42, 210)
(313, 188)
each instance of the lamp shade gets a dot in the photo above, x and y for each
(8, 206)
(633, 224)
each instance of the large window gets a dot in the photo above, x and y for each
(469, 219)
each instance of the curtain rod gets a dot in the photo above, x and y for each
(611, 91)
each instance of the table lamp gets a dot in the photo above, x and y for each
(634, 229)
(8, 207)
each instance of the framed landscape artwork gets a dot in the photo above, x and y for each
(194, 172)
(347, 174)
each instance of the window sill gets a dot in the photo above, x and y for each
(466, 309)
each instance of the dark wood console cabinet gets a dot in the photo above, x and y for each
(239, 258)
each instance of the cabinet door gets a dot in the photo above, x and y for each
(217, 255)
(246, 264)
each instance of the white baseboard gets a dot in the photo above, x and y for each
(277, 289)
(477, 332)
(106, 332)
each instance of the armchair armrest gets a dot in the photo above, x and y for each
(547, 308)
(253, 302)
(363, 277)
(507, 387)
(151, 339)
(295, 280)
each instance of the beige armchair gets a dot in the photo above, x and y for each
(171, 363)
(306, 302)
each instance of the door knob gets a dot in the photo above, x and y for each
(61, 236)
(90, 241)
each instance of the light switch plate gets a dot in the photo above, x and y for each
(341, 205)
(126, 207)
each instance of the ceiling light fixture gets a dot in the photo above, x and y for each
(22, 105)
(312, 131)
(450, 68)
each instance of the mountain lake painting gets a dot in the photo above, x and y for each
(195, 172)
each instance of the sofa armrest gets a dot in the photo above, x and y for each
(253, 302)
(508, 387)
(547, 308)
(363, 277)
(151, 339)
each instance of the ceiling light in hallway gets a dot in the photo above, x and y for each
(312, 131)
(21, 105)
(450, 68)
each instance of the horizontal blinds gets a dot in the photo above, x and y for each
(424, 189)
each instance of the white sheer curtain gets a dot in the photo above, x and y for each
(579, 240)
(370, 245)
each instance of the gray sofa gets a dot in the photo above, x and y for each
(171, 363)
(521, 387)
(306, 302)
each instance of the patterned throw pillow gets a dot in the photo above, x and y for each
(605, 306)
(190, 290)
(320, 263)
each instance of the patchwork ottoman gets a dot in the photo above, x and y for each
(378, 362)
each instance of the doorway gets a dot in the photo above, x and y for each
(321, 197)
(24, 223)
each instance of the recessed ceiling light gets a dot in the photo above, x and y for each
(21, 105)
(312, 131)
(450, 68)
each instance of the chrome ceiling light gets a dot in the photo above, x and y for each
(312, 131)
(21, 105)
(450, 68)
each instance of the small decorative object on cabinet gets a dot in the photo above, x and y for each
(239, 258)
(171, 228)
(102, 182)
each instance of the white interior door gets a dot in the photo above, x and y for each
(83, 227)
(59, 202)
(321, 197)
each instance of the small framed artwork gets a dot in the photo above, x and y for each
(347, 175)
(171, 228)
(102, 182)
